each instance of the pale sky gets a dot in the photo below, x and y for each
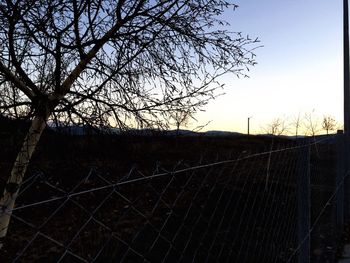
(299, 66)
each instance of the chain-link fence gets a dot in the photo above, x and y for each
(273, 206)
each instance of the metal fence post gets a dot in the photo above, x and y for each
(345, 177)
(346, 104)
(340, 182)
(303, 199)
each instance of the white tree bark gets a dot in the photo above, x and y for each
(13, 184)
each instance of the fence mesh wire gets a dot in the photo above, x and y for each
(244, 209)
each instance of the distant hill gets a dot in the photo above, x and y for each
(11, 126)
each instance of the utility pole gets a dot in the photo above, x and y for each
(249, 124)
(346, 165)
(346, 68)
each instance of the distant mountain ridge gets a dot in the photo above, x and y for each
(8, 125)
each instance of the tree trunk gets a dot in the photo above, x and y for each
(13, 184)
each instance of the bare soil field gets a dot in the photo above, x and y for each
(239, 211)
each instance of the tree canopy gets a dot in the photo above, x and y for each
(119, 62)
(109, 62)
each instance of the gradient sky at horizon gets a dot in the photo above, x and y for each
(300, 66)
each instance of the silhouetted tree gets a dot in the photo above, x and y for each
(297, 123)
(181, 118)
(329, 123)
(312, 123)
(277, 127)
(109, 62)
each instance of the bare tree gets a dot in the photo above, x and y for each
(312, 123)
(329, 123)
(297, 124)
(277, 127)
(109, 62)
(181, 118)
